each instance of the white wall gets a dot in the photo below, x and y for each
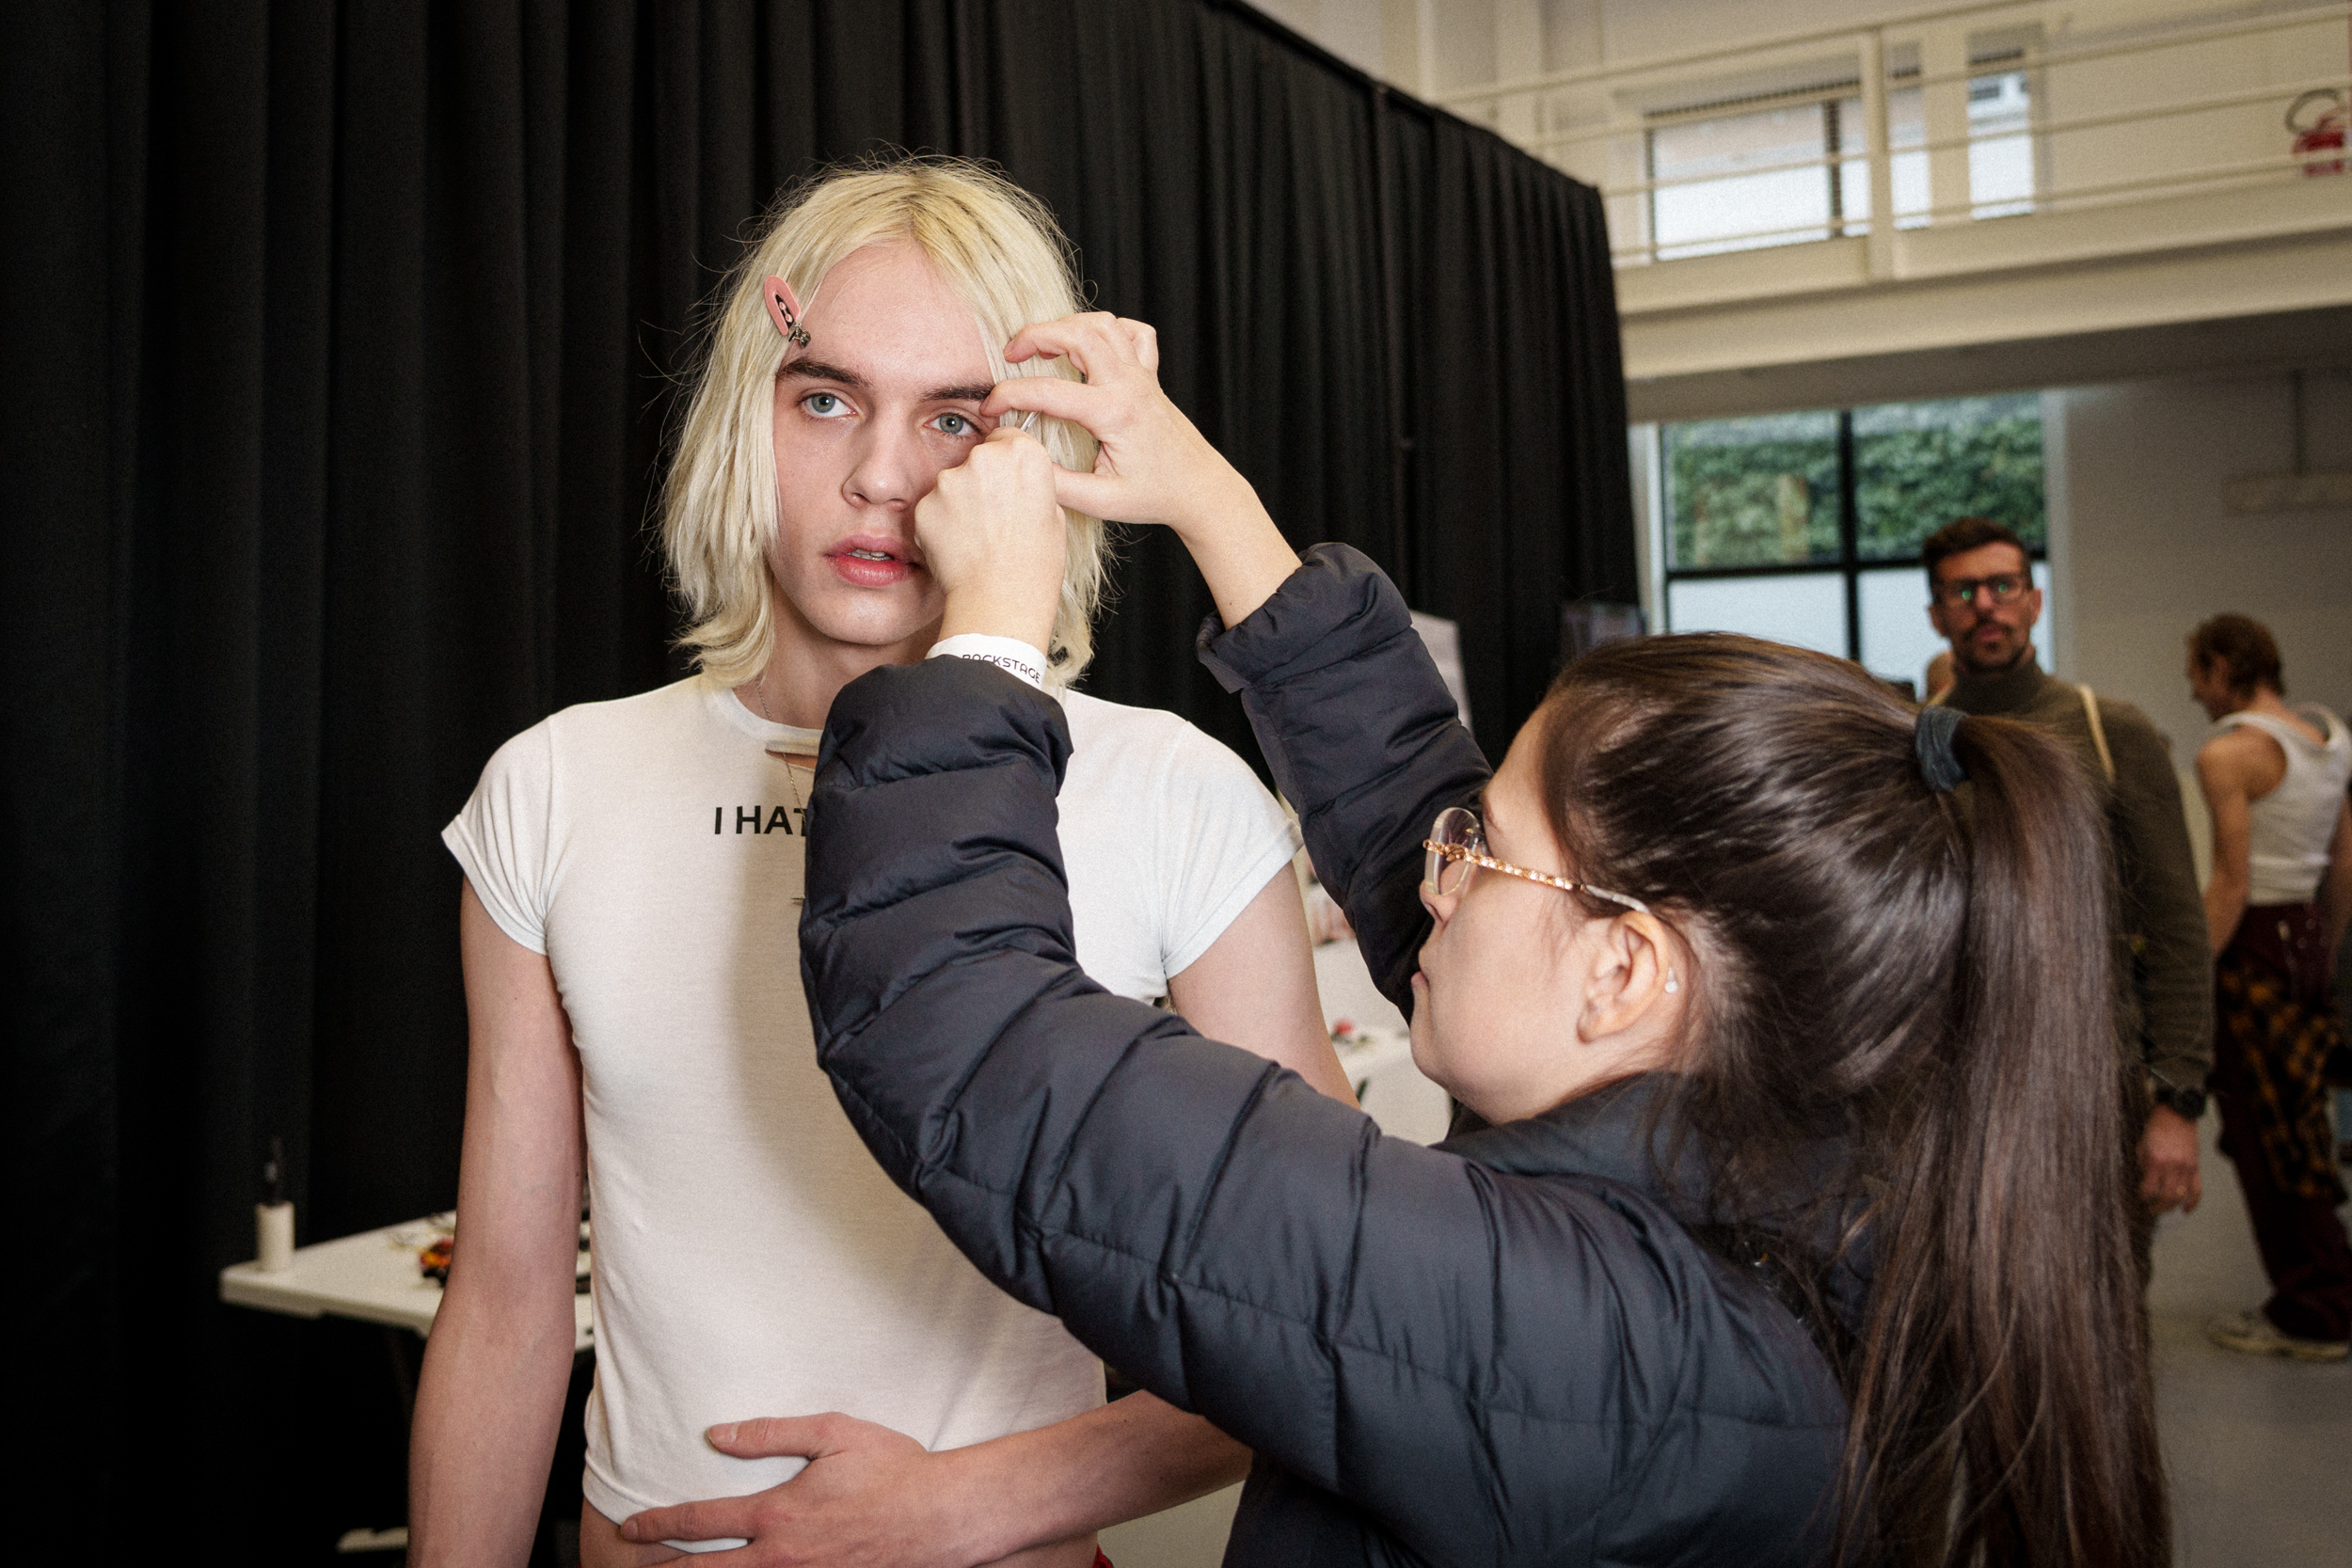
(1352, 29)
(1577, 33)
(1640, 29)
(2151, 551)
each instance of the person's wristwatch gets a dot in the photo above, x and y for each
(2183, 1103)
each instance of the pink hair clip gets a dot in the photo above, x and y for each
(785, 310)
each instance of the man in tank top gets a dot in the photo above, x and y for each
(633, 977)
(2278, 904)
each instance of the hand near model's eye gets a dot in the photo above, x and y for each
(993, 538)
(1153, 465)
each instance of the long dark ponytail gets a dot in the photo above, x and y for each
(1923, 979)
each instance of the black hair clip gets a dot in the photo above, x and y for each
(1931, 743)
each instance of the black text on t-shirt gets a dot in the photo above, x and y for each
(759, 819)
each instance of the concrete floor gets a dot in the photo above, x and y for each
(1192, 1536)
(2259, 1450)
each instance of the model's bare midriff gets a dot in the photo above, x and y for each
(601, 1546)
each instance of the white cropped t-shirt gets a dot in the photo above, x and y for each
(751, 1258)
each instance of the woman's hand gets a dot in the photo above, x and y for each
(993, 538)
(1153, 466)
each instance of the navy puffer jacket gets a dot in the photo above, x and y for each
(1507, 1349)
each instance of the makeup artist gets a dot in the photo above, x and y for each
(1798, 1233)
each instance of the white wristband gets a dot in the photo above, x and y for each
(1007, 653)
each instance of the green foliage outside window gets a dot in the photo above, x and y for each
(1764, 491)
(1754, 492)
(1917, 465)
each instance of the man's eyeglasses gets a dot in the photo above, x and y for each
(1973, 592)
(1457, 843)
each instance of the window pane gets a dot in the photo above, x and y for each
(1917, 465)
(2000, 154)
(2000, 165)
(1906, 127)
(1897, 641)
(1753, 492)
(1760, 200)
(1809, 609)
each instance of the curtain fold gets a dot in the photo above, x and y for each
(340, 344)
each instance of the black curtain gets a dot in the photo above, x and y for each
(339, 345)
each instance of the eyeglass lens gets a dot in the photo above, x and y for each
(1455, 828)
(2000, 590)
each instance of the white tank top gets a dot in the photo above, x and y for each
(2293, 823)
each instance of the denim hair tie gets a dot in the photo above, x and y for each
(1932, 741)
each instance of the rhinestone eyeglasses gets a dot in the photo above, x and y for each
(1458, 842)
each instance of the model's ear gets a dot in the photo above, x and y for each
(784, 308)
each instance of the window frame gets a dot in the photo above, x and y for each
(1849, 564)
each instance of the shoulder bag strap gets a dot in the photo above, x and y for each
(2098, 731)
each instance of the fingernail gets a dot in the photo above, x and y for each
(724, 1433)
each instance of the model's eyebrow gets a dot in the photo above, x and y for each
(818, 370)
(809, 369)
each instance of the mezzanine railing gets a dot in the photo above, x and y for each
(1940, 117)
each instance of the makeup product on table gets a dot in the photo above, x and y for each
(273, 1217)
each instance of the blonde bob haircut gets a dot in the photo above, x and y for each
(993, 243)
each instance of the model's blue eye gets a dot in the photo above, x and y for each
(825, 405)
(953, 423)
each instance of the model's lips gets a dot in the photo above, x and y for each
(872, 561)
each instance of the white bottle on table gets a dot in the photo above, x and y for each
(273, 1217)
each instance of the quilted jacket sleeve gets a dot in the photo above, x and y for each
(1475, 1361)
(1363, 738)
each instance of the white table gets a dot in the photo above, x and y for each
(372, 1277)
(1380, 1061)
(1370, 1054)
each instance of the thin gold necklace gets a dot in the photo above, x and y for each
(759, 695)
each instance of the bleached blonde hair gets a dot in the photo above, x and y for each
(995, 246)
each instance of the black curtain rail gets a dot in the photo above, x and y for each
(340, 345)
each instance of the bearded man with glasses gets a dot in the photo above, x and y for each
(1983, 601)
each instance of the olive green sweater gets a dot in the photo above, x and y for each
(2163, 912)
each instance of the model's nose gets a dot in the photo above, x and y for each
(892, 469)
